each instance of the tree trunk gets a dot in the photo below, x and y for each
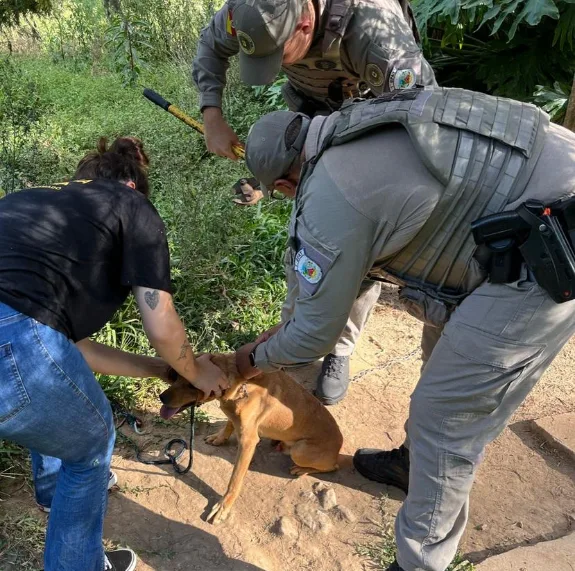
(570, 113)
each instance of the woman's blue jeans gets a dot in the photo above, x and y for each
(51, 403)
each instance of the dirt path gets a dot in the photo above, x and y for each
(524, 492)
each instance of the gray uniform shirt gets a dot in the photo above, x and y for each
(378, 48)
(364, 202)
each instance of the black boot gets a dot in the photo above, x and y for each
(333, 380)
(394, 567)
(389, 467)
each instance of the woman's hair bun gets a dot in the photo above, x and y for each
(102, 146)
(129, 147)
(124, 160)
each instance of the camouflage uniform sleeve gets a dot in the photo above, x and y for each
(216, 45)
(330, 255)
(382, 50)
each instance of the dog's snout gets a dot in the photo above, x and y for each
(164, 397)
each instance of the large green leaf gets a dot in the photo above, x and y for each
(565, 30)
(533, 11)
(553, 100)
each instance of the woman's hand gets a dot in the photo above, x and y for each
(209, 377)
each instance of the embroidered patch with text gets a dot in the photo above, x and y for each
(402, 78)
(246, 43)
(307, 268)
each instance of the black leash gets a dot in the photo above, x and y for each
(172, 457)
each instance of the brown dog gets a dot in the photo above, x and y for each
(270, 406)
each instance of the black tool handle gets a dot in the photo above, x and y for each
(156, 98)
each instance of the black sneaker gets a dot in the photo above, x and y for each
(333, 380)
(120, 560)
(394, 567)
(389, 467)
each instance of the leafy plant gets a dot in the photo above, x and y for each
(128, 41)
(271, 95)
(553, 100)
(20, 111)
(506, 47)
(12, 10)
(495, 14)
(174, 27)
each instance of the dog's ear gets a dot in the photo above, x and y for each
(181, 394)
(227, 363)
(171, 376)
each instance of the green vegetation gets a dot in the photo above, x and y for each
(514, 48)
(227, 269)
(11, 11)
(21, 542)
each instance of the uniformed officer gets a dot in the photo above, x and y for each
(393, 184)
(330, 50)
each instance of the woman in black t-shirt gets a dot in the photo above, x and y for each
(69, 256)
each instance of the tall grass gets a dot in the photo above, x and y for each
(226, 260)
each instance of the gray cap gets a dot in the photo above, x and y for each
(262, 28)
(269, 155)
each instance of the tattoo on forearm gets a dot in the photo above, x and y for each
(184, 350)
(152, 298)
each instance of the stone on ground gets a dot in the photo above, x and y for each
(559, 431)
(556, 555)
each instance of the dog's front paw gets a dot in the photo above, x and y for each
(216, 439)
(219, 513)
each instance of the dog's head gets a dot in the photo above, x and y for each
(183, 394)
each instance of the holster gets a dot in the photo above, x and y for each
(540, 235)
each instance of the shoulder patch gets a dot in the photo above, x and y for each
(374, 75)
(246, 43)
(230, 24)
(402, 78)
(309, 270)
(311, 258)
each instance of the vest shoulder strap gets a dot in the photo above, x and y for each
(338, 18)
(425, 112)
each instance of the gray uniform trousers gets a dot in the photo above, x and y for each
(360, 311)
(493, 350)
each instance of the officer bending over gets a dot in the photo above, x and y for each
(330, 50)
(390, 187)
